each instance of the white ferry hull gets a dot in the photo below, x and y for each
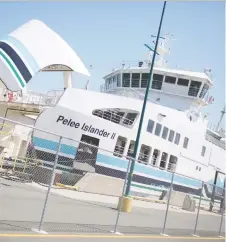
(70, 122)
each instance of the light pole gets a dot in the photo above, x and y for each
(143, 108)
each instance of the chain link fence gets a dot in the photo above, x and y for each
(53, 183)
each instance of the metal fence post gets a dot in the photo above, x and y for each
(120, 202)
(197, 216)
(39, 230)
(167, 208)
(222, 217)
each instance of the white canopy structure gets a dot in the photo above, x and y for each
(34, 47)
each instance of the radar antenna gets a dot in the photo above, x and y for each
(161, 50)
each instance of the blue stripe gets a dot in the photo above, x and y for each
(25, 53)
(119, 163)
(51, 145)
(147, 170)
(18, 62)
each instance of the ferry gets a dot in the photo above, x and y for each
(99, 129)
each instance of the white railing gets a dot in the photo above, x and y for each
(28, 98)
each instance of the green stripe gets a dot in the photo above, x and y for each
(13, 69)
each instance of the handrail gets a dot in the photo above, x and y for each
(28, 98)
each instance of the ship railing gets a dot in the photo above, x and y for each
(108, 87)
(28, 98)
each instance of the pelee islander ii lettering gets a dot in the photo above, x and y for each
(91, 129)
(85, 127)
(68, 122)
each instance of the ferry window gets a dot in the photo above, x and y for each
(118, 80)
(204, 91)
(185, 145)
(172, 163)
(170, 79)
(163, 160)
(114, 79)
(165, 132)
(126, 79)
(131, 148)
(203, 151)
(182, 82)
(194, 88)
(144, 80)
(135, 80)
(150, 127)
(171, 135)
(177, 139)
(144, 154)
(98, 113)
(155, 156)
(117, 117)
(107, 115)
(199, 168)
(120, 146)
(158, 129)
(157, 82)
(129, 119)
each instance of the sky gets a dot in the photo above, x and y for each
(104, 34)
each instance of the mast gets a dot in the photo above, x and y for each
(162, 49)
(221, 118)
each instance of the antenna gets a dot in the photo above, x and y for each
(162, 48)
(87, 82)
(221, 117)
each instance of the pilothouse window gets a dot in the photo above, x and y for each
(194, 88)
(170, 79)
(182, 82)
(135, 80)
(157, 81)
(126, 79)
(204, 91)
(144, 80)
